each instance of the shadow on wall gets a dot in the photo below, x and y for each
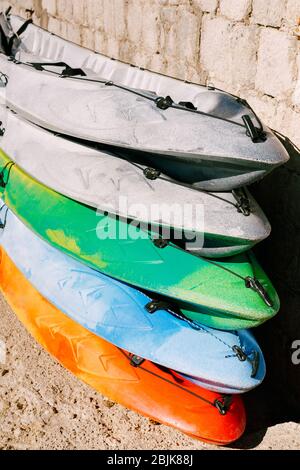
(278, 399)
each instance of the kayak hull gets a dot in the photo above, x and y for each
(135, 257)
(176, 141)
(148, 390)
(111, 184)
(118, 313)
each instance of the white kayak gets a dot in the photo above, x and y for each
(225, 223)
(212, 139)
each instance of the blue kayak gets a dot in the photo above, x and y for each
(222, 361)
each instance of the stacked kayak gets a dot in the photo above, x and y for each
(204, 137)
(96, 179)
(147, 389)
(118, 313)
(234, 289)
(126, 229)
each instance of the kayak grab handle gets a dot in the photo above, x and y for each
(7, 12)
(255, 364)
(3, 222)
(243, 204)
(256, 286)
(223, 404)
(3, 80)
(253, 358)
(187, 105)
(6, 169)
(67, 72)
(2, 129)
(256, 135)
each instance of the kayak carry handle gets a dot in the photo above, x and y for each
(23, 27)
(8, 43)
(255, 134)
(67, 72)
(3, 223)
(242, 356)
(7, 168)
(3, 80)
(2, 129)
(255, 364)
(223, 404)
(187, 105)
(256, 286)
(243, 203)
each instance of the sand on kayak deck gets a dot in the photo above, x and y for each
(43, 406)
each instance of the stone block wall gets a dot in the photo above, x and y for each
(247, 47)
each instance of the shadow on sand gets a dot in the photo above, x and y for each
(278, 399)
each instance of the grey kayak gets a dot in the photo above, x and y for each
(211, 140)
(111, 184)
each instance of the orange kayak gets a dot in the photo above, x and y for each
(146, 388)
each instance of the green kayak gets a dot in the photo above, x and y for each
(230, 294)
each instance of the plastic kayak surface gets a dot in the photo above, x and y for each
(213, 151)
(101, 180)
(147, 389)
(118, 313)
(123, 251)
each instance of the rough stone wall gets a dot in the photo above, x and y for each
(248, 47)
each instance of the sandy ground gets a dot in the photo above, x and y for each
(42, 406)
